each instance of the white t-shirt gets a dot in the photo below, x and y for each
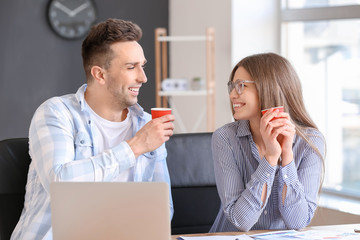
(112, 134)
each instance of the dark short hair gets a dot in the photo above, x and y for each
(96, 46)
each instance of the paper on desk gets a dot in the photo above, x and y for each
(321, 234)
(306, 235)
(218, 237)
(284, 234)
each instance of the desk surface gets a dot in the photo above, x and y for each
(343, 228)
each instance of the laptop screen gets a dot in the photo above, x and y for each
(110, 210)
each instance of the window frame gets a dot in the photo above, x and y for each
(318, 14)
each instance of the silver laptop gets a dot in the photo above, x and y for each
(110, 210)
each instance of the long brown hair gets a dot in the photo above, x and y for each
(278, 84)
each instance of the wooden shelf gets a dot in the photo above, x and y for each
(161, 71)
(183, 93)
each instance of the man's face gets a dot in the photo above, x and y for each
(126, 73)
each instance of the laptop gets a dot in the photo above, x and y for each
(110, 210)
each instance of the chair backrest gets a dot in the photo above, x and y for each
(195, 197)
(14, 166)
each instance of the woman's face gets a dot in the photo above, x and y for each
(245, 105)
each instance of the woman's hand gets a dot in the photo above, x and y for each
(269, 133)
(286, 136)
(278, 135)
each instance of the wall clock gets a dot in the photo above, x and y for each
(71, 19)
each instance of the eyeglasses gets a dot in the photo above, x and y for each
(238, 85)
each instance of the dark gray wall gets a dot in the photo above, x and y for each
(36, 64)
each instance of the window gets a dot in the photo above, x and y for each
(319, 3)
(322, 40)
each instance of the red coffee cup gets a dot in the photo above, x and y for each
(159, 112)
(280, 108)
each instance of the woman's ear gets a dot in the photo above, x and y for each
(98, 74)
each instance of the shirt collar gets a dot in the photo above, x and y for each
(80, 96)
(138, 110)
(243, 128)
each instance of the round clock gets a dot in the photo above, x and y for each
(71, 19)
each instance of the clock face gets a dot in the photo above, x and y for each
(71, 19)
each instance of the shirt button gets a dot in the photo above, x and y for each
(265, 212)
(152, 153)
(82, 141)
(285, 176)
(268, 174)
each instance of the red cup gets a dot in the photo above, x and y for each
(159, 112)
(280, 108)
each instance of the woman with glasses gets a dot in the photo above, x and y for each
(268, 168)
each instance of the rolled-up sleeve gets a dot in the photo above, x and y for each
(52, 140)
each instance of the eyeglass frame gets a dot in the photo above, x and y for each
(238, 85)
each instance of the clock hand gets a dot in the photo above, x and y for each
(79, 9)
(63, 8)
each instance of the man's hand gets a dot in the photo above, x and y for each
(152, 135)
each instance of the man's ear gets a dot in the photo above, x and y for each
(98, 74)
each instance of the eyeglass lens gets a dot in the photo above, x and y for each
(238, 85)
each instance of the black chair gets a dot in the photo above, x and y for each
(14, 166)
(195, 197)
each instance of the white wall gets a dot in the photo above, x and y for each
(243, 27)
(187, 60)
(255, 27)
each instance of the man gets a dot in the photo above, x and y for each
(98, 134)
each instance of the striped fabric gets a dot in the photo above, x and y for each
(241, 175)
(63, 147)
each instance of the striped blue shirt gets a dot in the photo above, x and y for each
(63, 147)
(241, 174)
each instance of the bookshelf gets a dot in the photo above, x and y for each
(164, 98)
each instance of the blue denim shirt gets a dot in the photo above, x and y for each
(62, 148)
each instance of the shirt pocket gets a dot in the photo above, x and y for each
(83, 146)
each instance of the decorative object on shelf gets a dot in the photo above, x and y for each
(71, 19)
(197, 84)
(174, 84)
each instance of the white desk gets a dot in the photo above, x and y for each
(342, 228)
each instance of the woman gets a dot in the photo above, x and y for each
(268, 167)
